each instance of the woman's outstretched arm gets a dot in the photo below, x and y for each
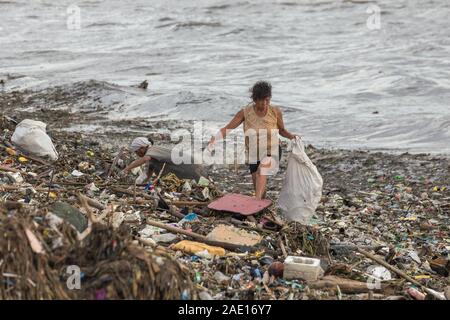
(233, 124)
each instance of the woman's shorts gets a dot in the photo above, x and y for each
(254, 166)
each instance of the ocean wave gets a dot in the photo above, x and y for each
(107, 24)
(190, 25)
(195, 24)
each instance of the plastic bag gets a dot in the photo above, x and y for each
(302, 186)
(161, 155)
(30, 135)
(142, 175)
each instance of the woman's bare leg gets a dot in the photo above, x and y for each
(264, 170)
(261, 182)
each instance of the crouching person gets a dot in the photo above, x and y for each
(141, 146)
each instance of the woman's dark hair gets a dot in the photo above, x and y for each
(261, 90)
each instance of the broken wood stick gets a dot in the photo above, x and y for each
(200, 237)
(400, 273)
(83, 202)
(283, 249)
(91, 219)
(188, 203)
(8, 187)
(95, 204)
(388, 266)
(51, 182)
(9, 169)
(345, 285)
(131, 193)
(176, 214)
(351, 247)
(159, 174)
(113, 165)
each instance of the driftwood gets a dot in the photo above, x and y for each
(188, 203)
(8, 187)
(282, 247)
(130, 192)
(200, 238)
(159, 174)
(84, 203)
(51, 182)
(93, 203)
(345, 285)
(8, 169)
(113, 165)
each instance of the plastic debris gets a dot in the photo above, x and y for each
(197, 248)
(77, 173)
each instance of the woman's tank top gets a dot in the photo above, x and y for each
(261, 133)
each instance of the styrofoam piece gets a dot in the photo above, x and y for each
(302, 268)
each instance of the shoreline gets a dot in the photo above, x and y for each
(79, 107)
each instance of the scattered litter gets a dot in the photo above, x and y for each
(77, 173)
(164, 238)
(394, 206)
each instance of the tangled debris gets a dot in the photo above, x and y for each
(125, 238)
(37, 255)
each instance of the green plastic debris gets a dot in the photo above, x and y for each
(72, 215)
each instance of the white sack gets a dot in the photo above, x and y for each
(302, 186)
(30, 135)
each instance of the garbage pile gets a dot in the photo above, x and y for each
(383, 237)
(38, 251)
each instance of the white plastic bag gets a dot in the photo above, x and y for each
(142, 175)
(302, 186)
(30, 135)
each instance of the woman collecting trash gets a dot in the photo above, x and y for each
(141, 146)
(262, 124)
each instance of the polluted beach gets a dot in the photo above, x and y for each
(166, 180)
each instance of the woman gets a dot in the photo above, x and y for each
(141, 146)
(157, 157)
(262, 124)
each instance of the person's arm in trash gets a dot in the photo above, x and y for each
(281, 128)
(137, 163)
(233, 124)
